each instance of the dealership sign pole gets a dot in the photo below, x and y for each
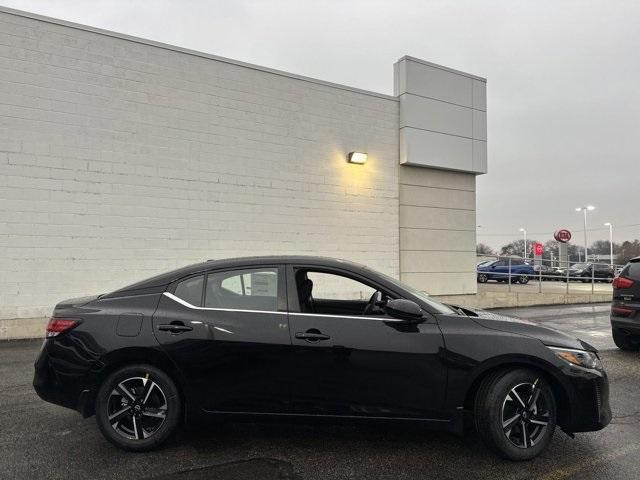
(538, 250)
(563, 236)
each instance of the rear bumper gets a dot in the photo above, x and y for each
(630, 325)
(55, 385)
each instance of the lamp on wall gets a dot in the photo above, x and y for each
(357, 157)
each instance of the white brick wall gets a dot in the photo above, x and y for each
(438, 230)
(119, 160)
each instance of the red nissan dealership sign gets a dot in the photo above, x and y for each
(537, 249)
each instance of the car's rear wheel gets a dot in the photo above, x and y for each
(624, 341)
(515, 413)
(482, 278)
(138, 407)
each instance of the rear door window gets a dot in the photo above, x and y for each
(246, 289)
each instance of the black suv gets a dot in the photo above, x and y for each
(625, 322)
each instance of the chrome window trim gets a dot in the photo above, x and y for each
(194, 307)
(377, 319)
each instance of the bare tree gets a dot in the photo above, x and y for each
(484, 249)
(628, 250)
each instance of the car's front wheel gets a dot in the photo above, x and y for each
(515, 413)
(523, 279)
(482, 278)
(138, 407)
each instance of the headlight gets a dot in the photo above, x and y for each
(580, 358)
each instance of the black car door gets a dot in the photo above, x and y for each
(227, 331)
(349, 363)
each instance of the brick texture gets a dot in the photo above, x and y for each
(119, 160)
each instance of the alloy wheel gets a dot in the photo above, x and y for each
(137, 408)
(525, 414)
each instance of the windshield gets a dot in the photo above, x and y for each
(579, 266)
(437, 306)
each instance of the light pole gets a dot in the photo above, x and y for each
(524, 237)
(610, 225)
(584, 211)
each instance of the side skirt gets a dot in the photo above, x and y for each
(433, 423)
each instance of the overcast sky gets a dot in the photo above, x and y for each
(563, 82)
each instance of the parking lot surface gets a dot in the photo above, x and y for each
(587, 322)
(42, 441)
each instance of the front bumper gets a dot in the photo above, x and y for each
(589, 405)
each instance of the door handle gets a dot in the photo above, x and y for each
(175, 327)
(312, 336)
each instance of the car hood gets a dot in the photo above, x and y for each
(548, 336)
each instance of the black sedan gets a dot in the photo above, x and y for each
(310, 338)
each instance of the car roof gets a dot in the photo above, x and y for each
(166, 278)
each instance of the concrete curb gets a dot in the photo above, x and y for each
(490, 300)
(23, 328)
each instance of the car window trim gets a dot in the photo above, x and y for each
(217, 309)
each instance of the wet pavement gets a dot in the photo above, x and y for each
(587, 322)
(43, 441)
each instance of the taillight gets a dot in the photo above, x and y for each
(622, 311)
(58, 325)
(622, 282)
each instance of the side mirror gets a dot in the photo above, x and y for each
(404, 309)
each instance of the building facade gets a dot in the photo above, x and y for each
(122, 157)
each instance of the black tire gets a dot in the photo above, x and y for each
(483, 278)
(523, 279)
(492, 403)
(624, 341)
(153, 422)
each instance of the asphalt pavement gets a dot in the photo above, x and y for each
(588, 322)
(42, 441)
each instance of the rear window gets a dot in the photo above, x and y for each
(632, 270)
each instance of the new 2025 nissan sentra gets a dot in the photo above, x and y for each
(308, 337)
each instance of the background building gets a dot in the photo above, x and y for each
(122, 157)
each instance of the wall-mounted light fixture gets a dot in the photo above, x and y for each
(357, 157)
